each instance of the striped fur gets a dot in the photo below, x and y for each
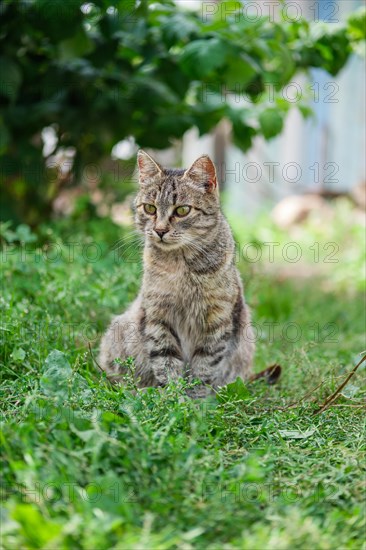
(190, 318)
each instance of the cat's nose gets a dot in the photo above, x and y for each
(161, 232)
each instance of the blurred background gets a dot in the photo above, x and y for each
(323, 153)
(273, 91)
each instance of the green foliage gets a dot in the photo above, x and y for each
(271, 122)
(22, 233)
(101, 72)
(87, 465)
(234, 391)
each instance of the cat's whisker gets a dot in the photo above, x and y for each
(131, 235)
(127, 241)
(123, 251)
(121, 242)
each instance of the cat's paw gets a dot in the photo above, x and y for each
(199, 392)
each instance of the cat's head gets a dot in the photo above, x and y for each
(176, 208)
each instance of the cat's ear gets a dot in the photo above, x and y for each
(203, 173)
(148, 168)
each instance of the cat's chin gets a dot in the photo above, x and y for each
(164, 245)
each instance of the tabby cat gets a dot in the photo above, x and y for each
(190, 319)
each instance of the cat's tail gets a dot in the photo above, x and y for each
(270, 374)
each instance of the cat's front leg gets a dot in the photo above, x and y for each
(207, 364)
(164, 351)
(165, 365)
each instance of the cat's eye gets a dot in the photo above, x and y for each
(182, 211)
(150, 208)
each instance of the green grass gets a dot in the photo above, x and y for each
(89, 466)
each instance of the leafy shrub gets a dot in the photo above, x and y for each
(100, 72)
